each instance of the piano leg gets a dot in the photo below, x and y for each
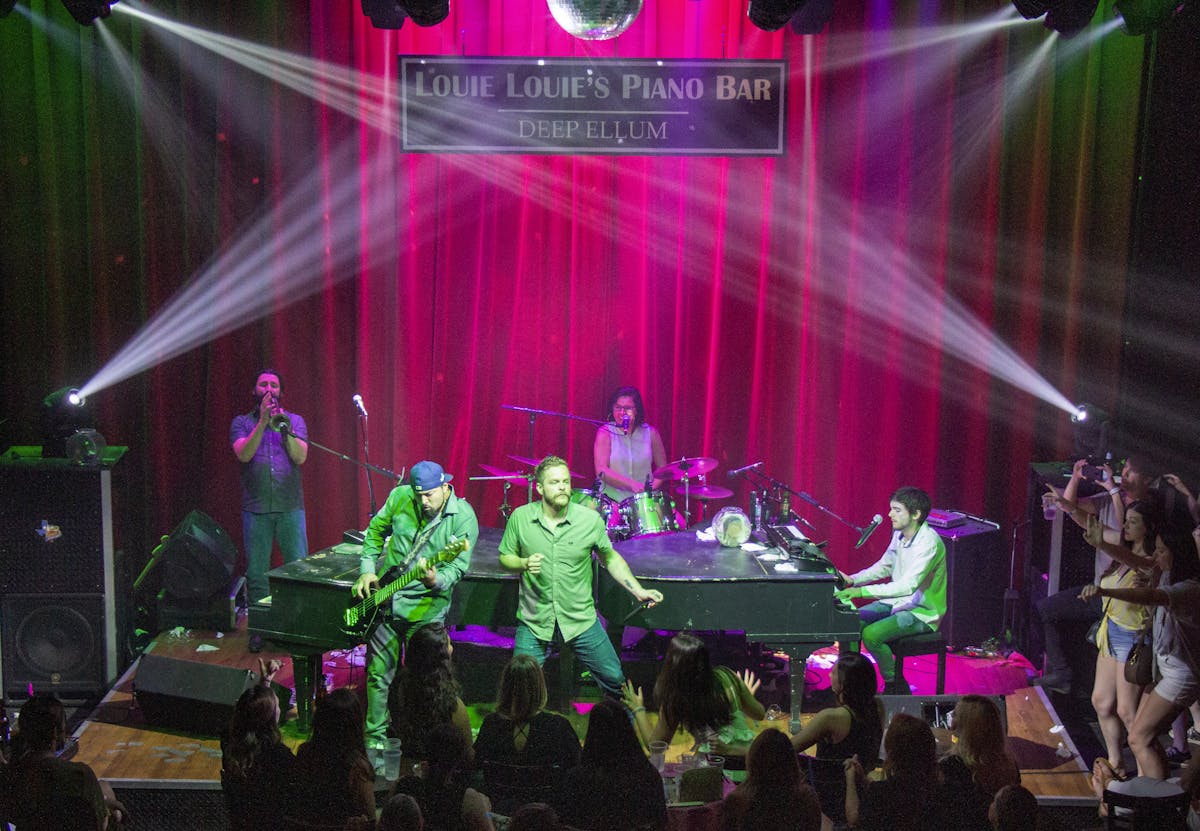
(797, 660)
(797, 665)
(303, 672)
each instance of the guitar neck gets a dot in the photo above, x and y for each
(385, 592)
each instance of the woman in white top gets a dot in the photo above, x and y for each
(627, 450)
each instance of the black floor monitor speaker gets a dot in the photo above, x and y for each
(198, 559)
(934, 709)
(189, 695)
(977, 576)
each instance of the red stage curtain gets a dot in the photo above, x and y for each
(765, 307)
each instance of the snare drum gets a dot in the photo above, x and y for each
(599, 502)
(649, 512)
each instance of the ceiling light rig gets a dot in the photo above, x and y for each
(391, 14)
(1067, 17)
(808, 17)
(85, 12)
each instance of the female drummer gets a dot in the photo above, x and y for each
(627, 449)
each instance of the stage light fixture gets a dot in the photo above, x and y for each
(594, 19)
(384, 14)
(427, 12)
(771, 15)
(1067, 17)
(1090, 426)
(1031, 9)
(1139, 17)
(391, 14)
(64, 412)
(85, 12)
(811, 17)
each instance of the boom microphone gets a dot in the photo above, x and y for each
(731, 474)
(358, 404)
(868, 531)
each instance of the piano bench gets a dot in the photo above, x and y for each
(926, 643)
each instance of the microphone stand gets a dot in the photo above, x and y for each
(362, 423)
(505, 509)
(383, 471)
(533, 414)
(769, 482)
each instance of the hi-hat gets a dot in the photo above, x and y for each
(525, 460)
(685, 468)
(705, 492)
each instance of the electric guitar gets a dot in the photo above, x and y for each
(357, 619)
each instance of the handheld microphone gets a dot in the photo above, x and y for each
(741, 470)
(625, 424)
(358, 404)
(869, 530)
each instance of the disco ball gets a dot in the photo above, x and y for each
(595, 19)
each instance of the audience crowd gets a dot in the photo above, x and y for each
(526, 769)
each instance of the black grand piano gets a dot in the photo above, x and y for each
(779, 602)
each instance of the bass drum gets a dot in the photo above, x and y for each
(599, 502)
(649, 512)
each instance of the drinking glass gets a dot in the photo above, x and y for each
(658, 754)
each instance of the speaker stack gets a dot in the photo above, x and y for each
(59, 606)
(977, 577)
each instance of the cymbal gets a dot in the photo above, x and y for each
(686, 468)
(706, 492)
(515, 478)
(525, 460)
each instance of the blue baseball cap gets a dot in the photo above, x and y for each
(426, 476)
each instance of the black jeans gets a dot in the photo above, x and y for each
(1055, 611)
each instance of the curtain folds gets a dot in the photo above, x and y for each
(824, 311)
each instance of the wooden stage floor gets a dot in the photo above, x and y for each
(123, 749)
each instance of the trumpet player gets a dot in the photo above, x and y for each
(271, 444)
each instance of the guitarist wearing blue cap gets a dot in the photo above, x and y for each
(427, 532)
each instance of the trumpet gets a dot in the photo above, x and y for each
(280, 423)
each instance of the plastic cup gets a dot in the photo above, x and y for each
(658, 755)
(391, 760)
(671, 789)
(1049, 511)
(712, 760)
(687, 761)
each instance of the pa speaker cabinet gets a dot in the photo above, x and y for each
(976, 579)
(57, 552)
(189, 695)
(54, 643)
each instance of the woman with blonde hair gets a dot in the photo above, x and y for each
(521, 731)
(980, 764)
(981, 744)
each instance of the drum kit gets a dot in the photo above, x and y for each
(643, 514)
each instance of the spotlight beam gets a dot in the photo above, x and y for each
(265, 271)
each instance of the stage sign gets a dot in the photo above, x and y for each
(570, 105)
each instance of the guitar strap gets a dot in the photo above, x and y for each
(419, 542)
